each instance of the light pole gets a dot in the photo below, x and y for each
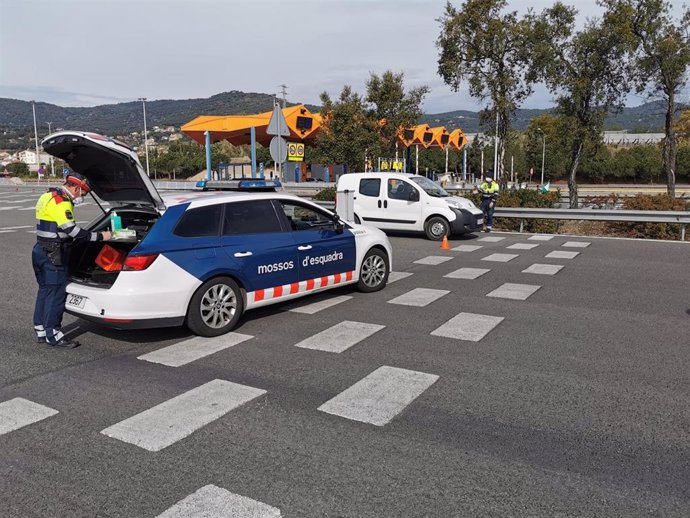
(146, 137)
(52, 163)
(38, 156)
(543, 153)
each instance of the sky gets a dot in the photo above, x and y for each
(91, 52)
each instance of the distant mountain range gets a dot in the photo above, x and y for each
(122, 118)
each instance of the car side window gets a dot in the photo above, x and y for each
(370, 186)
(250, 217)
(302, 217)
(399, 190)
(199, 222)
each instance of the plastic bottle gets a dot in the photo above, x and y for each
(115, 222)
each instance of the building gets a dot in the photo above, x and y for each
(28, 156)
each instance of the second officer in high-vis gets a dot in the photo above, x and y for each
(55, 230)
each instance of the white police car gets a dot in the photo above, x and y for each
(203, 258)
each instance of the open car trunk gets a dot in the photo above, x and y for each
(82, 265)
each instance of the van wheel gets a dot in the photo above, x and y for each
(436, 228)
(215, 308)
(373, 274)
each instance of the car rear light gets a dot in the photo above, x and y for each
(139, 262)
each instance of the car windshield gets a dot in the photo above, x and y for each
(430, 187)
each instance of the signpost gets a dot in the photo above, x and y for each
(278, 127)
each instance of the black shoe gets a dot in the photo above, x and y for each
(40, 339)
(65, 343)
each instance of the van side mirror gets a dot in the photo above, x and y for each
(414, 195)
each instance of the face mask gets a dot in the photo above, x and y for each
(78, 201)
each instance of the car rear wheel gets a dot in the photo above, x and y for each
(215, 308)
(373, 275)
(436, 228)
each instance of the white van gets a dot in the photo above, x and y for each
(399, 201)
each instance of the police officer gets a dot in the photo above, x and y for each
(489, 191)
(55, 229)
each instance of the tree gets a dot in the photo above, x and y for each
(18, 168)
(682, 127)
(347, 133)
(481, 44)
(587, 72)
(390, 103)
(661, 53)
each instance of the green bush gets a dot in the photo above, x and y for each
(327, 194)
(651, 230)
(524, 198)
(18, 169)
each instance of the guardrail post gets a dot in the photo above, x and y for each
(682, 232)
(522, 225)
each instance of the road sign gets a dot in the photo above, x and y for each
(279, 149)
(278, 125)
(295, 152)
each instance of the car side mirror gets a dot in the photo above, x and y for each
(414, 195)
(338, 224)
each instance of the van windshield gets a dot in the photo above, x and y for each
(430, 187)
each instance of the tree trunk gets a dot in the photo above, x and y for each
(670, 147)
(574, 164)
(501, 151)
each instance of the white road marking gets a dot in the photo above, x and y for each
(17, 228)
(10, 208)
(191, 350)
(468, 326)
(379, 397)
(576, 244)
(500, 258)
(544, 269)
(433, 260)
(213, 501)
(561, 254)
(27, 208)
(523, 246)
(466, 248)
(340, 337)
(7, 231)
(179, 417)
(397, 276)
(315, 307)
(540, 238)
(19, 412)
(24, 200)
(419, 297)
(491, 239)
(467, 273)
(513, 291)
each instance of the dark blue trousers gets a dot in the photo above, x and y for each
(488, 213)
(50, 301)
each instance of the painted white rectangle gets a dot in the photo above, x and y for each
(576, 244)
(467, 273)
(466, 248)
(419, 297)
(397, 276)
(340, 337)
(213, 501)
(540, 238)
(544, 269)
(315, 307)
(500, 258)
(513, 291)
(379, 397)
(523, 246)
(468, 326)
(179, 417)
(191, 350)
(19, 412)
(433, 260)
(561, 254)
(491, 239)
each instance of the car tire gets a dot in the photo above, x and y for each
(215, 308)
(436, 227)
(374, 271)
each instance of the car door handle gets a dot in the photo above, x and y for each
(385, 204)
(305, 247)
(379, 204)
(242, 254)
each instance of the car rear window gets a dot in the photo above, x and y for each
(370, 186)
(250, 217)
(200, 222)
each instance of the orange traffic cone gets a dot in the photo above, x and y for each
(444, 243)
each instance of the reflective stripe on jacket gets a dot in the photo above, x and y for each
(489, 190)
(55, 219)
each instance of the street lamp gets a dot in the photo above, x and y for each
(146, 138)
(52, 163)
(38, 156)
(543, 153)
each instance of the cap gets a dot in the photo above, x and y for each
(78, 180)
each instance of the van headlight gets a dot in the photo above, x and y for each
(461, 203)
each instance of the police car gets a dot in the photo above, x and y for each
(203, 258)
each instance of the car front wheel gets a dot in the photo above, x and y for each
(373, 274)
(436, 228)
(215, 308)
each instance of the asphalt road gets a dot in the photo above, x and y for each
(574, 404)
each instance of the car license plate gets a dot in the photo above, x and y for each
(480, 221)
(76, 301)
